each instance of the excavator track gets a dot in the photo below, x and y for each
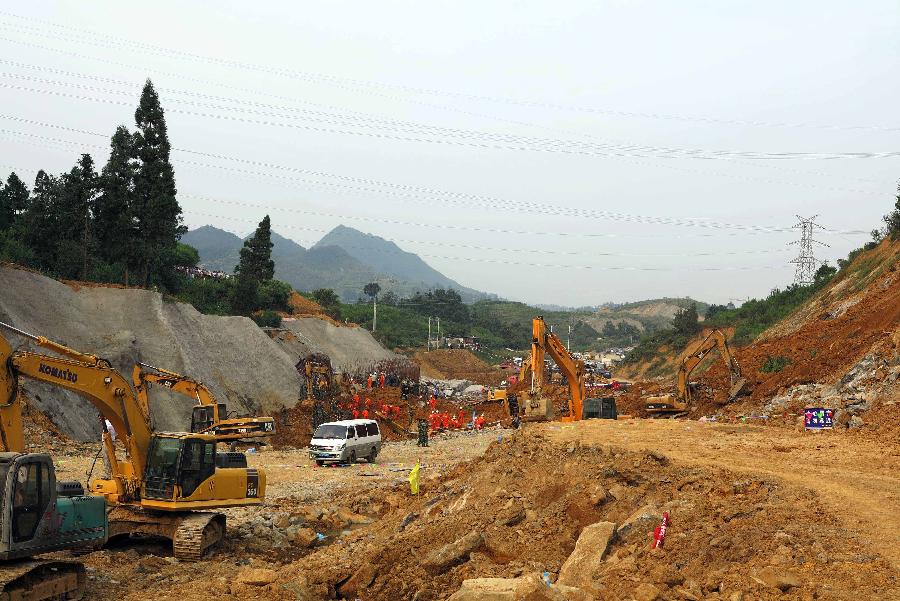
(196, 533)
(37, 580)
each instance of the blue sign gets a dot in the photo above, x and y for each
(818, 418)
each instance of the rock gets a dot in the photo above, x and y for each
(453, 553)
(617, 491)
(511, 515)
(529, 586)
(779, 578)
(598, 495)
(407, 521)
(282, 521)
(646, 592)
(855, 422)
(348, 518)
(646, 518)
(590, 549)
(360, 580)
(305, 537)
(256, 576)
(686, 594)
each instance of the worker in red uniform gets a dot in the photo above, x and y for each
(479, 422)
(356, 414)
(381, 380)
(369, 382)
(365, 414)
(461, 418)
(356, 400)
(396, 411)
(432, 402)
(445, 420)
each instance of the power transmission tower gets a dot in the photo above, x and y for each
(806, 261)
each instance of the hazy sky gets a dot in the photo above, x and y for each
(551, 152)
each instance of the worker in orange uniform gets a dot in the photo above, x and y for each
(461, 418)
(381, 380)
(432, 402)
(479, 422)
(356, 414)
(369, 382)
(356, 400)
(365, 414)
(368, 403)
(445, 419)
(396, 411)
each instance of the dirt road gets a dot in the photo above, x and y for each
(857, 477)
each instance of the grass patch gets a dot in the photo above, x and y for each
(774, 364)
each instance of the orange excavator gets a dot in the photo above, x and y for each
(545, 342)
(208, 416)
(166, 480)
(675, 405)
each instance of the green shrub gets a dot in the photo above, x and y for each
(774, 365)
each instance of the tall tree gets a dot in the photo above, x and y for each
(13, 200)
(157, 213)
(256, 255)
(39, 221)
(79, 193)
(114, 217)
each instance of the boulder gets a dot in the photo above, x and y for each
(779, 578)
(256, 576)
(345, 517)
(453, 553)
(305, 537)
(590, 549)
(529, 586)
(855, 422)
(360, 580)
(512, 514)
(646, 592)
(597, 495)
(644, 519)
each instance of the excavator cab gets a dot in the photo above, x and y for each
(40, 514)
(204, 416)
(185, 471)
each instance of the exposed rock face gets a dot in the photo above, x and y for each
(590, 550)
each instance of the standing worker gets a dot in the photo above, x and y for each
(381, 380)
(423, 433)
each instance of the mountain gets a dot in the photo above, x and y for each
(388, 259)
(344, 260)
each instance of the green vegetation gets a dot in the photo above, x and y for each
(774, 364)
(685, 325)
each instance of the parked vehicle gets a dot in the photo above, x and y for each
(345, 441)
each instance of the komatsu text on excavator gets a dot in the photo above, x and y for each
(164, 479)
(678, 404)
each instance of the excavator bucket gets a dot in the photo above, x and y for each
(737, 389)
(539, 410)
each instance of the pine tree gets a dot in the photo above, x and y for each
(157, 213)
(256, 255)
(39, 223)
(13, 199)
(79, 193)
(114, 219)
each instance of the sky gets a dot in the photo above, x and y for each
(570, 153)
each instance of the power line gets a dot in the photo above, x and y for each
(339, 81)
(481, 140)
(412, 193)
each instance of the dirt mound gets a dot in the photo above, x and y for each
(458, 364)
(521, 508)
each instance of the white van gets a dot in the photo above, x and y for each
(345, 441)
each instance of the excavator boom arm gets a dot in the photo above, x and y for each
(545, 341)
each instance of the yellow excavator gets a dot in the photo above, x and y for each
(545, 342)
(167, 479)
(209, 416)
(675, 405)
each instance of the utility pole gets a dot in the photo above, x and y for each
(428, 346)
(374, 312)
(569, 339)
(806, 262)
(439, 332)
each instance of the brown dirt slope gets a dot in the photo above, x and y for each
(829, 335)
(457, 364)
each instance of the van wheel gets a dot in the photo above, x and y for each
(352, 459)
(319, 462)
(373, 454)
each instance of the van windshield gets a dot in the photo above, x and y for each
(331, 431)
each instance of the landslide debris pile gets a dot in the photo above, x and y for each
(458, 364)
(841, 351)
(584, 514)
